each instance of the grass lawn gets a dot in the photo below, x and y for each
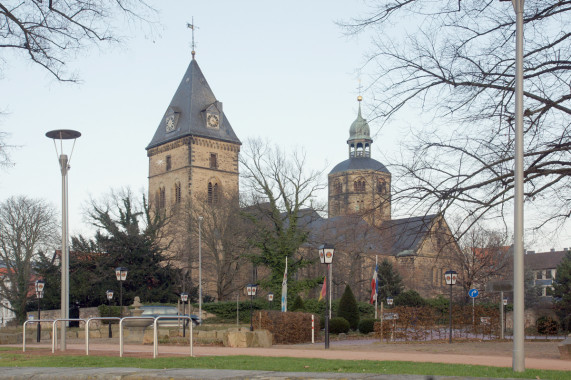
(14, 358)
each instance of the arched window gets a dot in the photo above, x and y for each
(359, 185)
(337, 187)
(381, 186)
(162, 197)
(213, 192)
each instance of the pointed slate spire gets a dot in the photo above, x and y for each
(190, 110)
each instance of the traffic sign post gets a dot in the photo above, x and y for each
(473, 293)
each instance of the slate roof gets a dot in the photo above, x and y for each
(545, 260)
(190, 101)
(403, 236)
(359, 163)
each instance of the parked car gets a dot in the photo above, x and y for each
(168, 311)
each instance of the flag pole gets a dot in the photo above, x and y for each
(376, 285)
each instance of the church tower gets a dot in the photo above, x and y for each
(360, 185)
(194, 152)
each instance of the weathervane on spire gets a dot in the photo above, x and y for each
(192, 27)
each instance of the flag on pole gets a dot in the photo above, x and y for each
(284, 289)
(374, 286)
(323, 289)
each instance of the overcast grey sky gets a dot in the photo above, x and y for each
(283, 70)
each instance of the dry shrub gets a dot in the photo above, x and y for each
(287, 328)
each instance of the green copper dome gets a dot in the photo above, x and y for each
(360, 128)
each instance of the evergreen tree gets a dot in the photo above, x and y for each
(348, 308)
(562, 291)
(390, 282)
(298, 304)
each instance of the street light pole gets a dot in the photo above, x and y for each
(450, 277)
(251, 290)
(121, 274)
(326, 252)
(64, 163)
(200, 267)
(39, 295)
(184, 298)
(109, 294)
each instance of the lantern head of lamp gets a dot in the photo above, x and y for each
(389, 301)
(40, 285)
(121, 273)
(251, 289)
(184, 297)
(270, 297)
(109, 294)
(505, 301)
(450, 277)
(326, 252)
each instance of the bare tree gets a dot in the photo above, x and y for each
(281, 187)
(5, 161)
(455, 63)
(483, 256)
(27, 226)
(50, 32)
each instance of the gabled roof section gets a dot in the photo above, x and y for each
(404, 236)
(192, 102)
(544, 260)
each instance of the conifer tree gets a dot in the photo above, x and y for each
(390, 282)
(348, 308)
(562, 291)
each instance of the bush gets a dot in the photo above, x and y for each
(410, 298)
(109, 311)
(338, 325)
(226, 311)
(286, 328)
(348, 308)
(298, 304)
(366, 326)
(547, 326)
(314, 307)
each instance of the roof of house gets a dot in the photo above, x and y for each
(544, 260)
(405, 235)
(190, 102)
(359, 163)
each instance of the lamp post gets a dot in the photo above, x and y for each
(270, 299)
(39, 295)
(326, 252)
(109, 294)
(450, 276)
(200, 218)
(64, 163)
(390, 301)
(251, 290)
(518, 359)
(184, 298)
(121, 274)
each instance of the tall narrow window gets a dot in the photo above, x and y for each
(162, 198)
(169, 163)
(359, 185)
(213, 161)
(381, 186)
(213, 192)
(177, 193)
(337, 187)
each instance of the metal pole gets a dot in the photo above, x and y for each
(519, 323)
(120, 299)
(183, 321)
(329, 266)
(200, 267)
(251, 302)
(501, 315)
(39, 324)
(327, 312)
(110, 331)
(450, 318)
(63, 162)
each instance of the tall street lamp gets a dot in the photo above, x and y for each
(121, 274)
(39, 295)
(109, 294)
(251, 290)
(184, 298)
(390, 301)
(200, 218)
(270, 299)
(450, 276)
(518, 360)
(64, 163)
(326, 252)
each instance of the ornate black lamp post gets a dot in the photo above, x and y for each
(39, 295)
(390, 301)
(251, 289)
(326, 252)
(270, 299)
(109, 294)
(450, 277)
(121, 274)
(184, 298)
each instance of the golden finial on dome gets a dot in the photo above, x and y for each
(359, 98)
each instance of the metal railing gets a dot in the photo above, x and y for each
(155, 332)
(87, 328)
(24, 329)
(54, 329)
(121, 330)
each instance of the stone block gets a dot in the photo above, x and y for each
(565, 348)
(95, 333)
(241, 338)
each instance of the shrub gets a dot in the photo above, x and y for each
(298, 304)
(410, 298)
(366, 326)
(348, 308)
(286, 328)
(547, 326)
(315, 307)
(109, 311)
(338, 325)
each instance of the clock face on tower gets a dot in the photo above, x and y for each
(170, 123)
(212, 120)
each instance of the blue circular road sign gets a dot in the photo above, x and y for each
(473, 293)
